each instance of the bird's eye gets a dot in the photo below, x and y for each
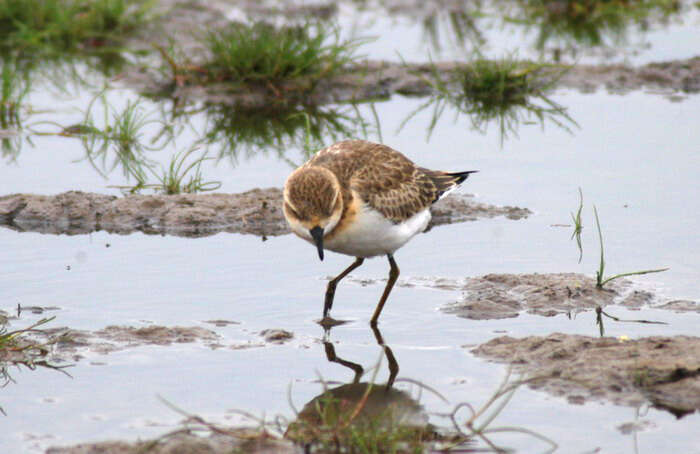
(291, 211)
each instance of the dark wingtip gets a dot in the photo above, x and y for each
(461, 176)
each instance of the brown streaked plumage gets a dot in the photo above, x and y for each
(362, 199)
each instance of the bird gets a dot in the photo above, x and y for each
(362, 199)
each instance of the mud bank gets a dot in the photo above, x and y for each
(256, 212)
(379, 78)
(235, 440)
(498, 296)
(382, 79)
(663, 371)
(65, 345)
(75, 343)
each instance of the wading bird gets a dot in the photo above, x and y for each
(362, 199)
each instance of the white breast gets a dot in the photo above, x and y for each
(372, 234)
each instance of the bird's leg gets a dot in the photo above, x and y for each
(393, 275)
(330, 290)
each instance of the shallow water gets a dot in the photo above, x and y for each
(278, 283)
(634, 157)
(410, 35)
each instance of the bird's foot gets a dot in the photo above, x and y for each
(329, 322)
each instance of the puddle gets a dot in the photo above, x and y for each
(216, 322)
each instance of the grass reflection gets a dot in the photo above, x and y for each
(588, 23)
(459, 24)
(240, 131)
(13, 92)
(506, 92)
(21, 74)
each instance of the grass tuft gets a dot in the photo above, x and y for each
(262, 53)
(54, 26)
(171, 180)
(599, 274)
(282, 61)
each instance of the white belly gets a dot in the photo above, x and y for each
(371, 234)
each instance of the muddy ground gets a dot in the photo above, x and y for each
(662, 371)
(382, 79)
(256, 212)
(236, 440)
(498, 296)
(68, 344)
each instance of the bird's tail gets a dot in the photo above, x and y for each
(459, 177)
(447, 181)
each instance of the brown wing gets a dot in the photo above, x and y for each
(385, 179)
(396, 189)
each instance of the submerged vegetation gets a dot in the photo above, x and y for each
(506, 92)
(18, 351)
(53, 26)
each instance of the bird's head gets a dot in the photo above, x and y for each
(313, 204)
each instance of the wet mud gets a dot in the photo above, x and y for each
(71, 344)
(257, 212)
(236, 440)
(379, 78)
(662, 371)
(375, 79)
(498, 296)
(60, 346)
(276, 336)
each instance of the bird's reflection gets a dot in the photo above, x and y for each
(359, 407)
(357, 368)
